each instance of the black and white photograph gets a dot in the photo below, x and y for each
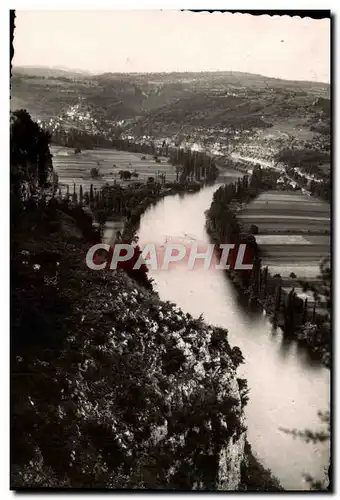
(171, 323)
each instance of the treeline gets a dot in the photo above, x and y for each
(32, 193)
(321, 189)
(79, 139)
(195, 165)
(223, 227)
(31, 189)
(112, 201)
(308, 161)
(30, 158)
(87, 340)
(297, 319)
(221, 221)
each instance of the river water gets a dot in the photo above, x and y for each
(286, 388)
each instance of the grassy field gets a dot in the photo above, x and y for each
(294, 232)
(75, 168)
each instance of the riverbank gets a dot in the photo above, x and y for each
(131, 225)
(285, 386)
(283, 307)
(70, 326)
(114, 426)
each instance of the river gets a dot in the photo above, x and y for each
(286, 388)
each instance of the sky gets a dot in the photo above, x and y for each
(160, 41)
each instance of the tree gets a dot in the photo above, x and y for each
(265, 281)
(101, 216)
(125, 174)
(81, 194)
(277, 306)
(55, 182)
(292, 275)
(30, 157)
(74, 194)
(94, 172)
(314, 313)
(305, 311)
(254, 229)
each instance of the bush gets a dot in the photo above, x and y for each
(254, 229)
(125, 174)
(304, 286)
(94, 172)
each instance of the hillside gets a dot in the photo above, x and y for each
(110, 386)
(159, 104)
(140, 394)
(239, 116)
(49, 72)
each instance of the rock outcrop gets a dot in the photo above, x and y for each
(137, 394)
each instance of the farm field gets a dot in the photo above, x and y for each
(294, 232)
(75, 168)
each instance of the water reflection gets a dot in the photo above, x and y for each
(286, 346)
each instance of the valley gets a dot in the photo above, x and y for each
(222, 112)
(153, 126)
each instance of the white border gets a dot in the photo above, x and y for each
(4, 170)
(171, 4)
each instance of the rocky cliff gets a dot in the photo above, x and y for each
(111, 387)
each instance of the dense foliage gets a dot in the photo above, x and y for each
(110, 387)
(307, 159)
(285, 309)
(30, 156)
(301, 164)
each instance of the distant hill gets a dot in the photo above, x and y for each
(49, 72)
(203, 106)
